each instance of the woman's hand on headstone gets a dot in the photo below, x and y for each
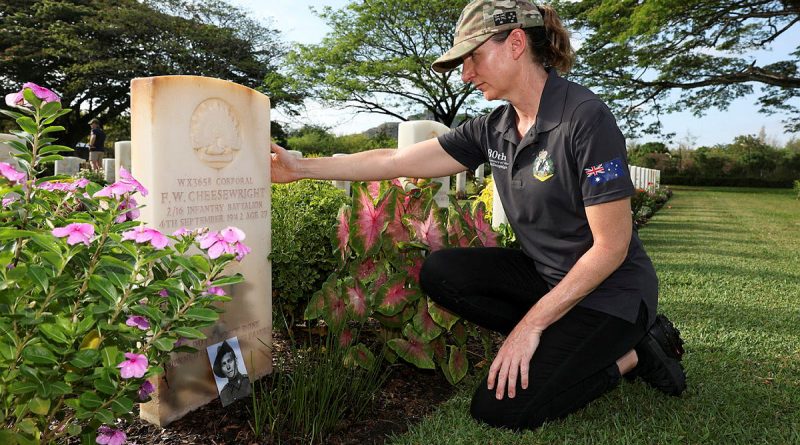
(284, 166)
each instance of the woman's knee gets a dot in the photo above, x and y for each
(513, 414)
(437, 272)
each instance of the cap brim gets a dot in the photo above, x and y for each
(454, 57)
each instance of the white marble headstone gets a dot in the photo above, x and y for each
(201, 146)
(411, 132)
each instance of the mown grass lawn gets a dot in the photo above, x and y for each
(729, 265)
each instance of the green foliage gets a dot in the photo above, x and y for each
(309, 394)
(311, 139)
(645, 203)
(303, 227)
(382, 240)
(797, 188)
(639, 54)
(74, 307)
(92, 51)
(95, 176)
(377, 59)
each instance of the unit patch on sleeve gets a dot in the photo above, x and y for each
(543, 166)
(607, 171)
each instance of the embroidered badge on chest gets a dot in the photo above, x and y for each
(543, 166)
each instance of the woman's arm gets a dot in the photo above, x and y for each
(426, 159)
(91, 140)
(611, 227)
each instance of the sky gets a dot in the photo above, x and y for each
(298, 24)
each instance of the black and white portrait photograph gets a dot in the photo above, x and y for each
(229, 370)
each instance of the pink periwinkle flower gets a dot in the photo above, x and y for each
(18, 99)
(183, 231)
(145, 390)
(132, 213)
(214, 290)
(129, 179)
(77, 233)
(110, 436)
(163, 293)
(227, 240)
(67, 186)
(10, 172)
(144, 234)
(114, 190)
(139, 322)
(134, 367)
(8, 201)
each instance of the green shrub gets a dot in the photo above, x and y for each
(303, 229)
(92, 175)
(797, 188)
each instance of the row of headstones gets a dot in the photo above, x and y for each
(71, 165)
(645, 178)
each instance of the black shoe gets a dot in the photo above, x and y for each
(660, 353)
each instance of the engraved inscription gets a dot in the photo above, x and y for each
(203, 201)
(215, 133)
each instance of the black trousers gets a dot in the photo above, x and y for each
(575, 361)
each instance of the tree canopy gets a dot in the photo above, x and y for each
(658, 56)
(89, 50)
(377, 59)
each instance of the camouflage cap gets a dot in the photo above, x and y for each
(480, 20)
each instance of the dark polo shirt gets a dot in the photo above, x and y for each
(573, 157)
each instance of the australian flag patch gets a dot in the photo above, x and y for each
(607, 171)
(505, 18)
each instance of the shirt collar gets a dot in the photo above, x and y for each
(548, 117)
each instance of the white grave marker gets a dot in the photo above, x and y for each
(201, 146)
(411, 132)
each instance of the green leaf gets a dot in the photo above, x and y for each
(458, 363)
(46, 242)
(111, 356)
(122, 405)
(202, 314)
(55, 333)
(55, 259)
(74, 429)
(8, 437)
(39, 355)
(12, 114)
(58, 389)
(189, 333)
(107, 261)
(50, 108)
(201, 263)
(233, 279)
(164, 344)
(22, 387)
(104, 287)
(90, 400)
(27, 124)
(49, 158)
(39, 406)
(105, 385)
(54, 148)
(85, 358)
(39, 274)
(7, 351)
(105, 416)
(152, 314)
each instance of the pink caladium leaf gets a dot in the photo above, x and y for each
(430, 231)
(368, 221)
(414, 267)
(346, 337)
(486, 235)
(367, 270)
(442, 316)
(343, 231)
(357, 304)
(413, 349)
(455, 230)
(439, 347)
(395, 230)
(460, 334)
(374, 189)
(361, 356)
(316, 306)
(335, 312)
(394, 295)
(423, 322)
(458, 364)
